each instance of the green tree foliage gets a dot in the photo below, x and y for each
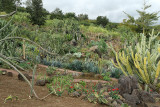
(70, 15)
(82, 17)
(8, 5)
(102, 20)
(145, 20)
(21, 9)
(36, 11)
(57, 14)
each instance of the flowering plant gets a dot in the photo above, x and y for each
(59, 84)
(114, 93)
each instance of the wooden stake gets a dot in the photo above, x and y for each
(24, 50)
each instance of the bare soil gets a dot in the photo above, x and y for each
(12, 86)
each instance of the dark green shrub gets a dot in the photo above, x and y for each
(76, 65)
(57, 64)
(116, 73)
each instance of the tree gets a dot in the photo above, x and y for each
(70, 15)
(145, 20)
(9, 5)
(102, 20)
(82, 17)
(36, 11)
(57, 14)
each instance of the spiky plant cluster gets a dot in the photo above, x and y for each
(142, 61)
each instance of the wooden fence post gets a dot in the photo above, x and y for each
(24, 50)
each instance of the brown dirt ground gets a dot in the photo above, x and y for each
(12, 86)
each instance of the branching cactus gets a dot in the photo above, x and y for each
(142, 61)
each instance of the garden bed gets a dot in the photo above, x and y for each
(12, 86)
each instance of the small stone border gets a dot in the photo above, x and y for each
(69, 72)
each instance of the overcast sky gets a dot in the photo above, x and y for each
(113, 9)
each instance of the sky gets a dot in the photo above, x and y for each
(112, 9)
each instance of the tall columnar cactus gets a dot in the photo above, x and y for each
(142, 61)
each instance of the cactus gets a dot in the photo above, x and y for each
(143, 61)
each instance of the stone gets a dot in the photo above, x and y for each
(22, 79)
(93, 48)
(98, 76)
(73, 42)
(143, 96)
(155, 95)
(146, 97)
(106, 93)
(50, 74)
(99, 86)
(127, 84)
(114, 103)
(10, 74)
(87, 74)
(4, 72)
(40, 82)
(157, 100)
(119, 101)
(83, 96)
(75, 94)
(109, 99)
(121, 98)
(132, 100)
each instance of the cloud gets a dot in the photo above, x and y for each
(113, 9)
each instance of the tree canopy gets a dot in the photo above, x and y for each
(102, 20)
(36, 11)
(145, 20)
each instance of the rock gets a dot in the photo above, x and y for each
(83, 96)
(40, 82)
(75, 94)
(143, 96)
(22, 79)
(119, 101)
(99, 86)
(127, 84)
(155, 95)
(98, 76)
(121, 98)
(146, 97)
(47, 81)
(50, 74)
(4, 72)
(73, 42)
(157, 100)
(114, 103)
(10, 74)
(132, 100)
(93, 48)
(75, 74)
(88, 74)
(106, 93)
(109, 99)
